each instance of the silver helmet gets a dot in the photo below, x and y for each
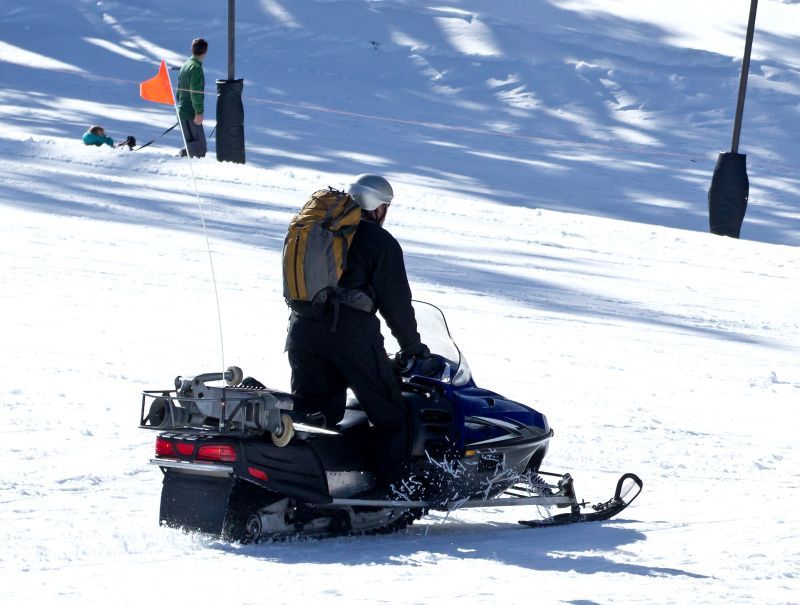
(371, 191)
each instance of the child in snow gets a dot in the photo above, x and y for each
(96, 135)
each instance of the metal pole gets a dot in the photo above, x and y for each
(230, 112)
(737, 125)
(231, 38)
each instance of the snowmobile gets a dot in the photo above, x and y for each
(239, 462)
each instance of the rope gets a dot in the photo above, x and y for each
(420, 123)
(159, 136)
(205, 233)
(435, 125)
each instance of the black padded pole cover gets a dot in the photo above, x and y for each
(727, 196)
(230, 121)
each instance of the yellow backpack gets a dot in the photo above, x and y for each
(316, 246)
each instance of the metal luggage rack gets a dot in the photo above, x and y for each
(195, 407)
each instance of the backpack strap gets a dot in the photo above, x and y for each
(344, 232)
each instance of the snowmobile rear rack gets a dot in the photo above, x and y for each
(195, 407)
(234, 412)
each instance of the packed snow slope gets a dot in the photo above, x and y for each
(551, 161)
(607, 107)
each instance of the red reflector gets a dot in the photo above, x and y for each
(217, 453)
(258, 474)
(164, 448)
(185, 449)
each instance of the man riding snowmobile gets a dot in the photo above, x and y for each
(247, 462)
(334, 340)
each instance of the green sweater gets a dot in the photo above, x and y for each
(191, 78)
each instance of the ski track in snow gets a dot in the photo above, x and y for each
(651, 346)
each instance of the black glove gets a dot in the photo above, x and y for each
(130, 143)
(405, 359)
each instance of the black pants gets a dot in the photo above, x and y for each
(195, 138)
(325, 363)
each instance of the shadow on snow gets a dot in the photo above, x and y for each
(556, 549)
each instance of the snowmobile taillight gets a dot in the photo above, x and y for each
(257, 473)
(165, 448)
(185, 449)
(217, 453)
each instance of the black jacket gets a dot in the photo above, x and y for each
(375, 265)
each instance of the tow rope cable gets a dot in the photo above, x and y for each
(173, 127)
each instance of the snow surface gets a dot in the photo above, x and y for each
(551, 162)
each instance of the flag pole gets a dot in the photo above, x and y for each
(730, 187)
(203, 220)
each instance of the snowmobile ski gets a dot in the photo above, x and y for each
(629, 487)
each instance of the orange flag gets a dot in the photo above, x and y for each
(158, 89)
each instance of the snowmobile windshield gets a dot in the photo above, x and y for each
(433, 329)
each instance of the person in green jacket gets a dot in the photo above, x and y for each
(191, 83)
(96, 135)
